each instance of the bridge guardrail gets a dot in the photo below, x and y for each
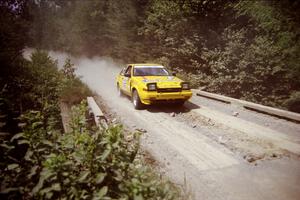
(98, 115)
(250, 105)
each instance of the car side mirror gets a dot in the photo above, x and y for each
(173, 73)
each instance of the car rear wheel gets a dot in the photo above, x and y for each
(136, 100)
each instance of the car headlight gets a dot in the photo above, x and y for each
(185, 86)
(151, 86)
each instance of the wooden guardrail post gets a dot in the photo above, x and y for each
(98, 115)
(65, 113)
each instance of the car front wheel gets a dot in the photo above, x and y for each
(136, 100)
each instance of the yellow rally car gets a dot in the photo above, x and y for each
(150, 83)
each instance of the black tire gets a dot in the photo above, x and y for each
(120, 93)
(136, 100)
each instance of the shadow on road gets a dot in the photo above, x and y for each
(172, 108)
(165, 107)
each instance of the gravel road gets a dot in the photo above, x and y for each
(203, 146)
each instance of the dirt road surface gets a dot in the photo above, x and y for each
(218, 150)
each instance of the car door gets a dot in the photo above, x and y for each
(121, 78)
(127, 80)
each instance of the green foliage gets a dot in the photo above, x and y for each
(13, 31)
(92, 27)
(30, 104)
(73, 90)
(81, 164)
(35, 85)
(37, 160)
(293, 103)
(244, 49)
(68, 69)
(44, 83)
(277, 22)
(19, 170)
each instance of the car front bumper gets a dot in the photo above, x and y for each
(153, 97)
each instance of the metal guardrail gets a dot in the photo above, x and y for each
(250, 105)
(97, 113)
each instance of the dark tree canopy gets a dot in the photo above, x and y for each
(244, 49)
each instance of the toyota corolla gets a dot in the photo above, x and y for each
(151, 83)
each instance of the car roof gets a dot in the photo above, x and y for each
(145, 65)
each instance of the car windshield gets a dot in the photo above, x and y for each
(150, 71)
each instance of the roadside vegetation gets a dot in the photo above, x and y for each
(73, 90)
(38, 160)
(243, 49)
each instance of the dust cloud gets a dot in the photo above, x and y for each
(97, 72)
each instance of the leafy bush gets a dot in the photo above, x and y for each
(31, 85)
(39, 162)
(243, 49)
(293, 103)
(73, 90)
(81, 164)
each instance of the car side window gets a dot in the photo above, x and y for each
(123, 71)
(128, 70)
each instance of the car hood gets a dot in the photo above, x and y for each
(162, 81)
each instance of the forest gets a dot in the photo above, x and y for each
(244, 49)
